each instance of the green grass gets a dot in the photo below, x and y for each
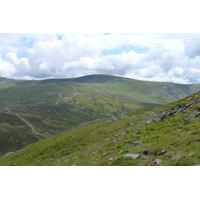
(173, 140)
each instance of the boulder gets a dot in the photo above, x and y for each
(134, 156)
(193, 116)
(105, 153)
(188, 105)
(124, 133)
(112, 158)
(136, 143)
(198, 164)
(157, 161)
(163, 115)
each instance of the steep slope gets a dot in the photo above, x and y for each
(167, 135)
(51, 106)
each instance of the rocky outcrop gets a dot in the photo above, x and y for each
(174, 111)
(193, 116)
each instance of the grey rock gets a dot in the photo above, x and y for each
(123, 116)
(164, 150)
(157, 119)
(188, 98)
(193, 116)
(8, 154)
(198, 164)
(37, 161)
(105, 153)
(197, 101)
(180, 109)
(134, 156)
(113, 141)
(163, 115)
(188, 105)
(157, 161)
(136, 143)
(124, 133)
(12, 152)
(149, 121)
(114, 118)
(112, 158)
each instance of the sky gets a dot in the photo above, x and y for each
(170, 57)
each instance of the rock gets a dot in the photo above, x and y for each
(136, 143)
(113, 141)
(123, 116)
(114, 118)
(188, 105)
(198, 164)
(134, 156)
(188, 98)
(157, 119)
(164, 150)
(37, 161)
(180, 109)
(149, 121)
(163, 115)
(112, 158)
(105, 153)
(157, 161)
(193, 116)
(8, 154)
(124, 133)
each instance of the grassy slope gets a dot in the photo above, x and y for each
(47, 105)
(173, 140)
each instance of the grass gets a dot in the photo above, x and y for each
(173, 140)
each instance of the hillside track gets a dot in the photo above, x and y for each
(25, 121)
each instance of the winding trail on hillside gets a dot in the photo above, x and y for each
(76, 93)
(33, 130)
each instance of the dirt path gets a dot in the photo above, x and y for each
(76, 93)
(33, 130)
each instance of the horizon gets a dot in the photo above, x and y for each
(54, 78)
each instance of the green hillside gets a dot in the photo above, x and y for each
(37, 109)
(166, 135)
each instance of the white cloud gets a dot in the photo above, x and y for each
(171, 57)
(6, 69)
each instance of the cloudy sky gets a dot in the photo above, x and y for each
(155, 57)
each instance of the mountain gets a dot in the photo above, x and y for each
(168, 135)
(37, 109)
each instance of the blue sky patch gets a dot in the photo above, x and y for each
(125, 48)
(22, 54)
(27, 42)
